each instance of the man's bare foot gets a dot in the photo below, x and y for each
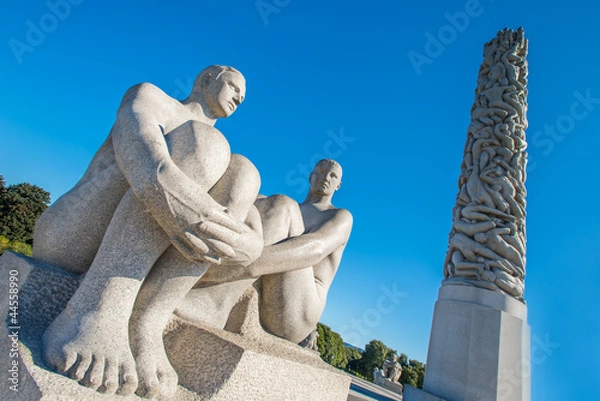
(92, 349)
(157, 378)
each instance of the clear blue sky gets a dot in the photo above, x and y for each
(335, 79)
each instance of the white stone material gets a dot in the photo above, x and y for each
(479, 344)
(167, 220)
(389, 374)
(415, 394)
(242, 363)
(487, 240)
(479, 347)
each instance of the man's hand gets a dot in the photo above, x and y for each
(216, 237)
(248, 246)
(237, 247)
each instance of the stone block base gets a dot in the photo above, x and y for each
(478, 349)
(390, 385)
(387, 384)
(414, 394)
(223, 366)
(218, 365)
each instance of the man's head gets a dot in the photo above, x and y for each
(325, 178)
(222, 87)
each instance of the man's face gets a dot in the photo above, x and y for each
(225, 94)
(325, 179)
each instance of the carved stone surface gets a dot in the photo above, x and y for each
(487, 240)
(163, 194)
(479, 344)
(479, 347)
(310, 342)
(167, 220)
(245, 362)
(389, 374)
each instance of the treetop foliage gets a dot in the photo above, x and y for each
(362, 364)
(20, 207)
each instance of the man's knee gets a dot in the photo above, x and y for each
(238, 187)
(293, 327)
(199, 150)
(282, 203)
(278, 205)
(244, 174)
(281, 217)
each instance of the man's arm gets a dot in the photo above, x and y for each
(177, 202)
(304, 250)
(290, 254)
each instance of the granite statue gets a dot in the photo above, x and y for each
(162, 184)
(166, 220)
(480, 339)
(310, 342)
(391, 368)
(487, 240)
(389, 374)
(303, 249)
(303, 246)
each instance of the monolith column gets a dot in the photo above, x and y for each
(479, 344)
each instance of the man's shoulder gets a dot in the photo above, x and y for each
(341, 215)
(145, 92)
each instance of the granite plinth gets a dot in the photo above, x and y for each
(479, 347)
(212, 364)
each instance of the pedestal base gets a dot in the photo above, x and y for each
(478, 349)
(217, 365)
(388, 384)
(415, 394)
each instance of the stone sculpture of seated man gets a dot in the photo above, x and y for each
(163, 183)
(161, 202)
(392, 369)
(303, 249)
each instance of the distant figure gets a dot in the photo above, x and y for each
(392, 369)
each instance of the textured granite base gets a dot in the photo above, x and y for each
(388, 384)
(415, 394)
(479, 348)
(218, 365)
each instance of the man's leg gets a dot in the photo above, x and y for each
(210, 302)
(69, 233)
(172, 278)
(89, 340)
(281, 218)
(290, 304)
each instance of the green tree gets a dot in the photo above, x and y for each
(403, 360)
(354, 355)
(413, 373)
(20, 207)
(331, 346)
(374, 355)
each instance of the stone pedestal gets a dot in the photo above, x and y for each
(479, 348)
(244, 363)
(388, 384)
